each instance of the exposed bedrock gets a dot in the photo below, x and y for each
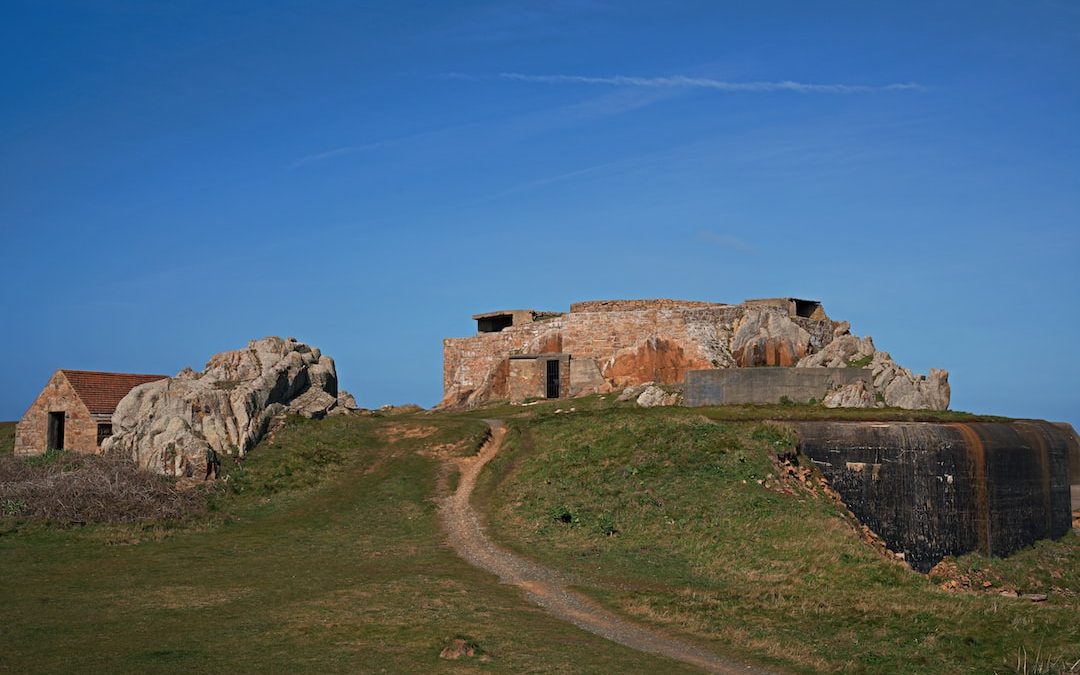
(653, 360)
(893, 385)
(930, 490)
(766, 337)
(167, 426)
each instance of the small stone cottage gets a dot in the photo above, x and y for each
(74, 411)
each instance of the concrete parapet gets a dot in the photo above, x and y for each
(767, 385)
(639, 305)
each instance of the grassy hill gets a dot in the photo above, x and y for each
(325, 556)
(323, 553)
(673, 519)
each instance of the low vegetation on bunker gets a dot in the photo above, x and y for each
(676, 519)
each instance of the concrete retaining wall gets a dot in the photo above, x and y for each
(767, 385)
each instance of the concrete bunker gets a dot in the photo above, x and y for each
(494, 322)
(539, 376)
(930, 490)
(796, 307)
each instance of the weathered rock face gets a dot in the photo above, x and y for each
(856, 395)
(607, 346)
(767, 337)
(655, 359)
(167, 426)
(894, 385)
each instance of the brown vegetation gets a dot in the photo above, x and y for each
(74, 489)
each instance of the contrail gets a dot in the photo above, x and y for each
(682, 81)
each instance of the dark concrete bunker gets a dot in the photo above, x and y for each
(931, 490)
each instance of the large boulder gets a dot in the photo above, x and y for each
(167, 426)
(768, 337)
(653, 397)
(845, 350)
(856, 395)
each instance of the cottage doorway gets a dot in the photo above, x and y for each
(56, 431)
(553, 378)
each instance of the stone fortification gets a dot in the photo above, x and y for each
(608, 345)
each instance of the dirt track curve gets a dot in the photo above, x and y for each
(545, 586)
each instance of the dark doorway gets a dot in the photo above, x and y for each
(494, 324)
(806, 308)
(553, 379)
(56, 431)
(103, 432)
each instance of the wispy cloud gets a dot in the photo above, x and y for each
(684, 82)
(338, 152)
(725, 241)
(374, 145)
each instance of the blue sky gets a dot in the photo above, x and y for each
(179, 177)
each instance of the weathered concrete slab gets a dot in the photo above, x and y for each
(724, 386)
(931, 490)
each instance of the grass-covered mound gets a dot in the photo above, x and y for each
(679, 520)
(322, 554)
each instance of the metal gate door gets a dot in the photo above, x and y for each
(553, 378)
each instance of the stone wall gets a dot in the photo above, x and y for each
(80, 428)
(615, 344)
(767, 385)
(931, 490)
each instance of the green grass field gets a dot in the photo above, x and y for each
(660, 515)
(324, 556)
(322, 553)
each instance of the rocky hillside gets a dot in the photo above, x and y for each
(894, 386)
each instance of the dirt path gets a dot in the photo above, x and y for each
(545, 586)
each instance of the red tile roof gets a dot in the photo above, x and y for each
(101, 392)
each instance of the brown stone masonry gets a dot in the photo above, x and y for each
(610, 344)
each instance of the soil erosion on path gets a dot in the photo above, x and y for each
(545, 586)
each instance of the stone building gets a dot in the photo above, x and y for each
(607, 345)
(74, 411)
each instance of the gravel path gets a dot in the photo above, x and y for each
(545, 586)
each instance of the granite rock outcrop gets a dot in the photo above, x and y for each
(168, 426)
(893, 385)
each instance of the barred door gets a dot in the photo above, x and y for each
(553, 378)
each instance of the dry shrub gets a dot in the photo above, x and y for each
(74, 489)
